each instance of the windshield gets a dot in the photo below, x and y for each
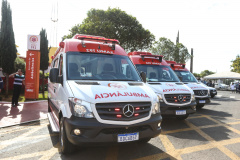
(91, 66)
(186, 76)
(156, 73)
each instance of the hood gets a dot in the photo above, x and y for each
(102, 91)
(196, 86)
(170, 88)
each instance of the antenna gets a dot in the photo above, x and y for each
(54, 23)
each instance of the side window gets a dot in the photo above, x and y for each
(61, 65)
(55, 64)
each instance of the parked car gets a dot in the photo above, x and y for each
(221, 86)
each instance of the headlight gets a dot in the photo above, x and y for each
(193, 98)
(160, 97)
(79, 109)
(156, 108)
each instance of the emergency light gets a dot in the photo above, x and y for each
(146, 54)
(96, 38)
(151, 56)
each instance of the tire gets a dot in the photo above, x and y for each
(200, 106)
(66, 147)
(182, 117)
(212, 96)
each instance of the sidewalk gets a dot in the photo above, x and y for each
(25, 112)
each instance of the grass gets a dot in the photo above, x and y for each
(22, 97)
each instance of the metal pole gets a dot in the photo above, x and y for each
(191, 63)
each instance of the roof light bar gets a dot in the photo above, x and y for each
(96, 38)
(152, 56)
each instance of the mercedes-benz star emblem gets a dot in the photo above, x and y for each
(180, 98)
(201, 92)
(128, 110)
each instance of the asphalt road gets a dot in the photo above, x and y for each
(212, 133)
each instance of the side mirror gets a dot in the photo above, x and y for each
(143, 76)
(60, 79)
(53, 75)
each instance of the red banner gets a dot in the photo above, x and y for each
(32, 74)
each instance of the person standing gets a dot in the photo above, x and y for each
(1, 82)
(19, 80)
(237, 86)
(232, 87)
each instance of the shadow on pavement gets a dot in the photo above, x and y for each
(125, 151)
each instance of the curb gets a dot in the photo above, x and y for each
(23, 123)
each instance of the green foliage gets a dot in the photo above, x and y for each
(44, 58)
(206, 73)
(164, 47)
(115, 24)
(170, 51)
(181, 53)
(7, 41)
(196, 75)
(236, 64)
(20, 64)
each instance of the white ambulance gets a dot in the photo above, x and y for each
(93, 100)
(176, 99)
(202, 93)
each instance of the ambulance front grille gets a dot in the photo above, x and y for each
(200, 92)
(178, 98)
(123, 111)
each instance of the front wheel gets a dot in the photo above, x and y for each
(182, 117)
(200, 106)
(212, 96)
(66, 147)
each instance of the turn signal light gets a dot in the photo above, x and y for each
(119, 116)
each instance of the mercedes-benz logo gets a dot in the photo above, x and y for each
(180, 98)
(201, 92)
(128, 110)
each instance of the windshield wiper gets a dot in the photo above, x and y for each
(122, 80)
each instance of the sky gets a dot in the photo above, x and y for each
(210, 27)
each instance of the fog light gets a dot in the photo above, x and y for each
(77, 132)
(159, 124)
(194, 107)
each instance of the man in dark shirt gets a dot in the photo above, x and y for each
(19, 79)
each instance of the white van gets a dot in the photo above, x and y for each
(176, 99)
(202, 93)
(92, 100)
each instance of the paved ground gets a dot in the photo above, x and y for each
(25, 112)
(211, 134)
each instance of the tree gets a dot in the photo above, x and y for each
(236, 64)
(206, 73)
(20, 64)
(8, 49)
(44, 58)
(196, 75)
(181, 53)
(166, 47)
(115, 24)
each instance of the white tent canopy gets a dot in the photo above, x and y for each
(223, 75)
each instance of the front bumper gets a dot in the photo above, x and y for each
(213, 92)
(94, 132)
(204, 100)
(170, 110)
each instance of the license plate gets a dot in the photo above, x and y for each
(180, 112)
(128, 137)
(202, 101)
